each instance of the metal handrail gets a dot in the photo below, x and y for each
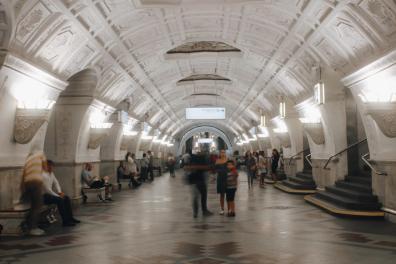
(292, 157)
(306, 158)
(342, 151)
(364, 158)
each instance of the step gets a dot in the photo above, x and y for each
(301, 181)
(352, 194)
(354, 186)
(281, 186)
(360, 180)
(303, 175)
(347, 202)
(334, 209)
(299, 186)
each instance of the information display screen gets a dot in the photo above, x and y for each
(205, 113)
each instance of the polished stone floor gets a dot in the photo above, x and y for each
(154, 224)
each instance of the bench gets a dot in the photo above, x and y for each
(13, 221)
(98, 193)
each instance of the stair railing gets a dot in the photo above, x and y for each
(298, 154)
(307, 158)
(342, 151)
(367, 161)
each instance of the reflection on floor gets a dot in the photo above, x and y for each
(154, 224)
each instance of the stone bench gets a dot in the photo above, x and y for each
(89, 193)
(13, 221)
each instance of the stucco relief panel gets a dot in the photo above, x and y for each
(330, 54)
(58, 46)
(80, 59)
(31, 22)
(350, 37)
(383, 14)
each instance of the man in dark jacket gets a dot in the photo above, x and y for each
(197, 169)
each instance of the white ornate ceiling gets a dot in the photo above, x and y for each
(274, 45)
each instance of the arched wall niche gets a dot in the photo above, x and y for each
(200, 129)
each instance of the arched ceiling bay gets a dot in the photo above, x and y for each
(126, 42)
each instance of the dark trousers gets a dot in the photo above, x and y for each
(63, 204)
(33, 194)
(151, 172)
(200, 189)
(143, 172)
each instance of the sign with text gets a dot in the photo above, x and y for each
(205, 113)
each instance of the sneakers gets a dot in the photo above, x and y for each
(207, 213)
(221, 212)
(36, 232)
(231, 214)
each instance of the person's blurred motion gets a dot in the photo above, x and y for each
(196, 168)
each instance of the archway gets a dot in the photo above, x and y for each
(202, 129)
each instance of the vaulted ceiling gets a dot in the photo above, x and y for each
(166, 55)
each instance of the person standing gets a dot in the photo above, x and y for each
(151, 165)
(32, 188)
(196, 170)
(57, 197)
(251, 168)
(131, 169)
(171, 165)
(232, 184)
(221, 169)
(274, 164)
(262, 168)
(144, 167)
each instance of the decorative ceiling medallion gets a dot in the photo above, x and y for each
(204, 77)
(203, 46)
(200, 94)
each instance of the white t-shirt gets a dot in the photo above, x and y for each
(132, 168)
(51, 183)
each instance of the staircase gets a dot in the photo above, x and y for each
(351, 197)
(302, 183)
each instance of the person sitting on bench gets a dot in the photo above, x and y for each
(57, 197)
(124, 172)
(94, 182)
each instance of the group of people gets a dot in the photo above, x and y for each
(257, 167)
(39, 186)
(196, 167)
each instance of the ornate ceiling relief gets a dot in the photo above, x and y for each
(205, 77)
(276, 45)
(31, 21)
(383, 12)
(203, 46)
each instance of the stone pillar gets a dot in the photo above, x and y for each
(20, 82)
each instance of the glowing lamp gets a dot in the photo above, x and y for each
(319, 93)
(282, 109)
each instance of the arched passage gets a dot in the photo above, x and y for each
(202, 129)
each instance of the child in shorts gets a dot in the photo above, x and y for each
(232, 183)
